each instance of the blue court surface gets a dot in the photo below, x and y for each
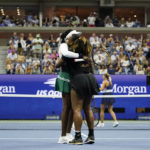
(43, 135)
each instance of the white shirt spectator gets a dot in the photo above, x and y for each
(129, 24)
(125, 63)
(35, 62)
(92, 38)
(140, 72)
(114, 57)
(91, 20)
(109, 25)
(29, 59)
(95, 43)
(102, 71)
(21, 65)
(23, 43)
(37, 44)
(130, 47)
(118, 47)
(11, 56)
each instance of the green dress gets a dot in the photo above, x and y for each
(62, 83)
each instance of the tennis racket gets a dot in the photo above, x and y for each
(96, 114)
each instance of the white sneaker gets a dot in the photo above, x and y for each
(73, 127)
(101, 125)
(115, 124)
(69, 137)
(63, 140)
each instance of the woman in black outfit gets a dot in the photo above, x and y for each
(83, 87)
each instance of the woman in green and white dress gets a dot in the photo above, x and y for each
(63, 85)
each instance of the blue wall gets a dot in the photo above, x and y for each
(40, 108)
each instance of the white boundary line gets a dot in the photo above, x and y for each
(57, 138)
(51, 96)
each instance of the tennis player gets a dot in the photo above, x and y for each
(83, 87)
(63, 85)
(106, 88)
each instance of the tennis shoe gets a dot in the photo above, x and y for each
(90, 140)
(115, 124)
(63, 140)
(69, 137)
(76, 141)
(100, 125)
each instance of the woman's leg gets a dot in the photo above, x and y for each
(70, 120)
(88, 113)
(102, 113)
(90, 121)
(65, 112)
(110, 109)
(77, 105)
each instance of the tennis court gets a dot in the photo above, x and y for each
(43, 135)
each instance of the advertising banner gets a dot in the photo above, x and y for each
(50, 108)
(44, 84)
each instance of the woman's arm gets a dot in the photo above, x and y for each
(65, 52)
(59, 62)
(102, 86)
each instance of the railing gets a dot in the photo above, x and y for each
(143, 30)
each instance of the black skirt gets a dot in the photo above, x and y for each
(108, 101)
(85, 85)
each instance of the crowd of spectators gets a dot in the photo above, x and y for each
(129, 54)
(93, 20)
(31, 55)
(34, 55)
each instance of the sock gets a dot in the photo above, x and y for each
(91, 132)
(77, 134)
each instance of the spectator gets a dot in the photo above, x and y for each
(21, 57)
(47, 48)
(37, 46)
(93, 37)
(11, 47)
(7, 21)
(140, 70)
(29, 44)
(108, 22)
(36, 61)
(102, 70)
(111, 70)
(28, 69)
(35, 21)
(91, 20)
(148, 71)
(116, 22)
(36, 69)
(129, 23)
(125, 64)
(95, 43)
(54, 56)
(53, 44)
(48, 68)
(122, 22)
(130, 47)
(28, 59)
(47, 22)
(9, 67)
(12, 56)
(20, 68)
(85, 23)
(21, 44)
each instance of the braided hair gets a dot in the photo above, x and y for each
(81, 45)
(64, 34)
